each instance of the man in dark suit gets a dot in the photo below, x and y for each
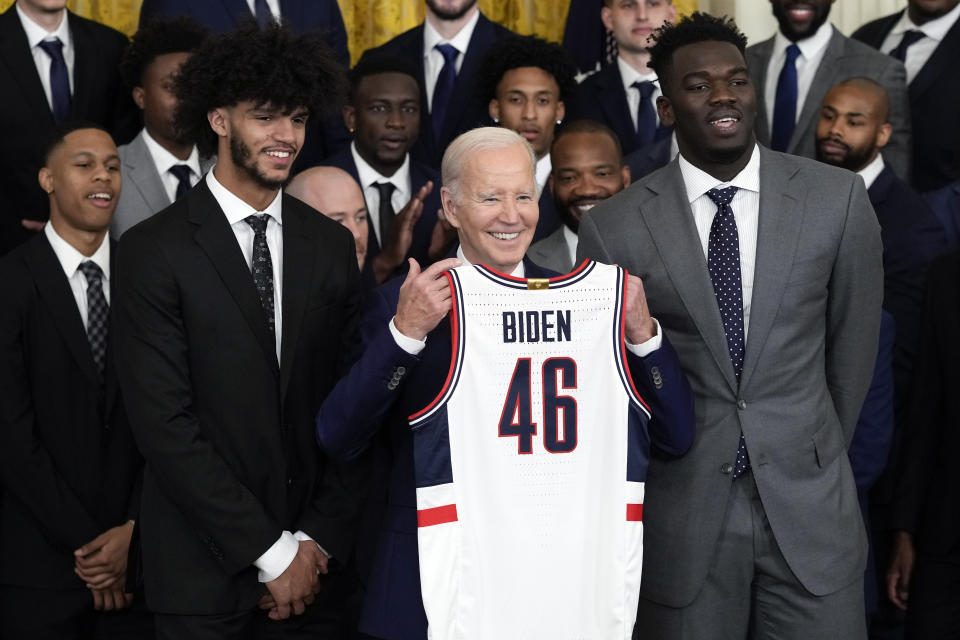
(69, 468)
(406, 340)
(794, 69)
(623, 95)
(923, 573)
(945, 204)
(402, 193)
(158, 165)
(447, 50)
(55, 67)
(765, 270)
(926, 37)
(234, 312)
(651, 157)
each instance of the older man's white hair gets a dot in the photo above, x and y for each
(476, 140)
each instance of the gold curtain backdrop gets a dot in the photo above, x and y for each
(373, 22)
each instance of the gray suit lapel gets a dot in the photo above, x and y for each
(826, 76)
(758, 59)
(777, 234)
(670, 222)
(139, 171)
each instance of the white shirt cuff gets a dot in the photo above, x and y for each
(646, 348)
(301, 536)
(277, 558)
(410, 345)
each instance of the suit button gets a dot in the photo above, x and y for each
(401, 371)
(289, 482)
(392, 385)
(741, 404)
(726, 468)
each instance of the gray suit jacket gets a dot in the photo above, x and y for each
(810, 353)
(844, 58)
(142, 194)
(552, 253)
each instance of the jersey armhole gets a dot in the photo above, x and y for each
(620, 345)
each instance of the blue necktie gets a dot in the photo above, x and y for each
(646, 114)
(262, 11)
(785, 104)
(59, 80)
(723, 262)
(909, 38)
(182, 173)
(444, 87)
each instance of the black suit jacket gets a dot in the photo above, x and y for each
(69, 467)
(26, 122)
(226, 432)
(928, 501)
(649, 158)
(934, 103)
(466, 110)
(945, 204)
(601, 97)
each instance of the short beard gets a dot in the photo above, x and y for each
(786, 29)
(240, 154)
(444, 14)
(855, 160)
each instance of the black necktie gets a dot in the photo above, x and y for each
(385, 209)
(444, 87)
(182, 173)
(646, 114)
(98, 313)
(909, 37)
(785, 102)
(723, 262)
(262, 265)
(262, 12)
(59, 79)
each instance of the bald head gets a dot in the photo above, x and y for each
(853, 125)
(870, 92)
(337, 195)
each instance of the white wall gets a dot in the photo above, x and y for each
(755, 17)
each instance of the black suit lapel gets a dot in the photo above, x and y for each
(239, 11)
(85, 68)
(939, 65)
(218, 241)
(291, 13)
(880, 188)
(112, 384)
(15, 54)
(299, 255)
(613, 100)
(464, 87)
(57, 296)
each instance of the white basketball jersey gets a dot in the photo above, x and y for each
(529, 464)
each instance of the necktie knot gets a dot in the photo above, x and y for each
(261, 10)
(53, 48)
(386, 190)
(92, 272)
(909, 38)
(793, 52)
(182, 173)
(645, 87)
(258, 223)
(722, 197)
(448, 51)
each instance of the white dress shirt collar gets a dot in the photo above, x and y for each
(572, 240)
(368, 175)
(163, 159)
(518, 272)
(273, 5)
(461, 41)
(698, 182)
(810, 47)
(542, 172)
(236, 209)
(629, 75)
(70, 258)
(935, 29)
(870, 172)
(36, 33)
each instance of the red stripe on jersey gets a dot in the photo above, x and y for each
(554, 280)
(634, 512)
(437, 515)
(454, 346)
(623, 344)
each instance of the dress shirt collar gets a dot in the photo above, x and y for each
(163, 159)
(542, 172)
(572, 240)
(518, 272)
(36, 34)
(870, 172)
(461, 41)
(273, 5)
(629, 75)
(935, 29)
(235, 209)
(70, 258)
(810, 47)
(368, 175)
(698, 182)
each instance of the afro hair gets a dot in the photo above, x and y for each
(526, 51)
(156, 38)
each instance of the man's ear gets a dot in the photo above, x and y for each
(883, 135)
(349, 117)
(494, 109)
(218, 121)
(449, 207)
(45, 177)
(625, 175)
(665, 111)
(138, 97)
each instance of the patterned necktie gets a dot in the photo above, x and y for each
(444, 87)
(723, 262)
(182, 173)
(909, 38)
(262, 11)
(59, 79)
(646, 114)
(785, 103)
(262, 265)
(386, 214)
(98, 313)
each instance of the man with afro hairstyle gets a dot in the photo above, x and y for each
(765, 271)
(159, 165)
(234, 309)
(526, 83)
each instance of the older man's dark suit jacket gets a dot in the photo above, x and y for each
(226, 432)
(365, 401)
(26, 121)
(68, 464)
(466, 109)
(934, 103)
(945, 204)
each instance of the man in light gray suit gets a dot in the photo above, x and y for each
(794, 70)
(765, 271)
(158, 166)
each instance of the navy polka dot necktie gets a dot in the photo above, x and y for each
(723, 262)
(98, 314)
(262, 265)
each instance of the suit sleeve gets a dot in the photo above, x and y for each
(854, 297)
(154, 371)
(27, 470)
(898, 152)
